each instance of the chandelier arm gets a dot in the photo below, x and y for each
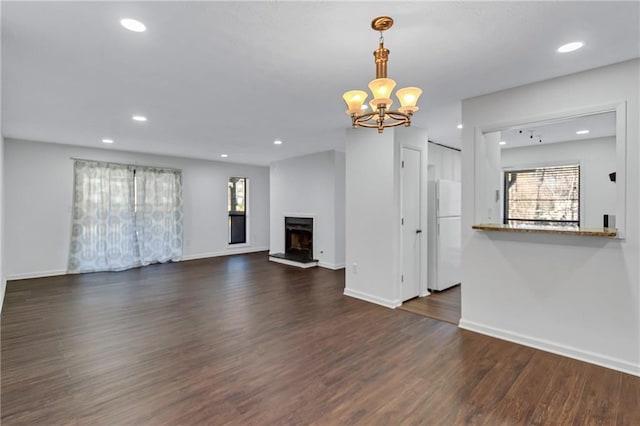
(369, 125)
(365, 117)
(394, 123)
(397, 115)
(385, 123)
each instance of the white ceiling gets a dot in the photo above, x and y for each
(230, 77)
(599, 126)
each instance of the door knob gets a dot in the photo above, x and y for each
(418, 231)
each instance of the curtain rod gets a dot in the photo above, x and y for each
(445, 146)
(126, 164)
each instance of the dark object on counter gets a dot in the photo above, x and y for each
(609, 221)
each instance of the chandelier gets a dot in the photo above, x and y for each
(381, 115)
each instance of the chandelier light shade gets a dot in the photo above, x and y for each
(408, 97)
(381, 88)
(381, 115)
(354, 100)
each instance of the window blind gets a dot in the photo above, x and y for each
(543, 196)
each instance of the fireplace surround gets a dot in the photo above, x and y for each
(298, 242)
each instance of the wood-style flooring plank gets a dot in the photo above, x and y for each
(629, 407)
(241, 340)
(441, 305)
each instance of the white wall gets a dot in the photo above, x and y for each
(597, 158)
(373, 212)
(39, 183)
(447, 162)
(489, 183)
(307, 185)
(577, 296)
(3, 281)
(340, 190)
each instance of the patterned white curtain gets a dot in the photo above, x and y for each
(124, 216)
(159, 214)
(103, 235)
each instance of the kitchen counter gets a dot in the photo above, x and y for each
(591, 232)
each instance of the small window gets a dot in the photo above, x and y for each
(542, 196)
(237, 206)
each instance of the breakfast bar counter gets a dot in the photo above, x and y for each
(592, 232)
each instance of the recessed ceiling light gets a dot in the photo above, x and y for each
(139, 118)
(107, 140)
(459, 126)
(278, 142)
(582, 132)
(503, 142)
(570, 47)
(133, 25)
(223, 155)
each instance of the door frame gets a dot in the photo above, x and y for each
(424, 164)
(420, 221)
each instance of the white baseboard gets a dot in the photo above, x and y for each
(556, 348)
(227, 252)
(425, 294)
(41, 274)
(331, 266)
(372, 299)
(293, 263)
(58, 272)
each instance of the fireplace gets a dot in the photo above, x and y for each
(298, 237)
(298, 243)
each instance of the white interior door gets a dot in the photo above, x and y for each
(411, 226)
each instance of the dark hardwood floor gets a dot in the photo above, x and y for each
(240, 340)
(440, 305)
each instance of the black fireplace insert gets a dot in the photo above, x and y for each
(298, 238)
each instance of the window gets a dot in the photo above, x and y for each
(542, 196)
(237, 206)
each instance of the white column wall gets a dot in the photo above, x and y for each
(3, 281)
(340, 210)
(373, 212)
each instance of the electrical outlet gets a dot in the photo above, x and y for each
(354, 268)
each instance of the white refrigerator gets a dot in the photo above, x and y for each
(444, 234)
